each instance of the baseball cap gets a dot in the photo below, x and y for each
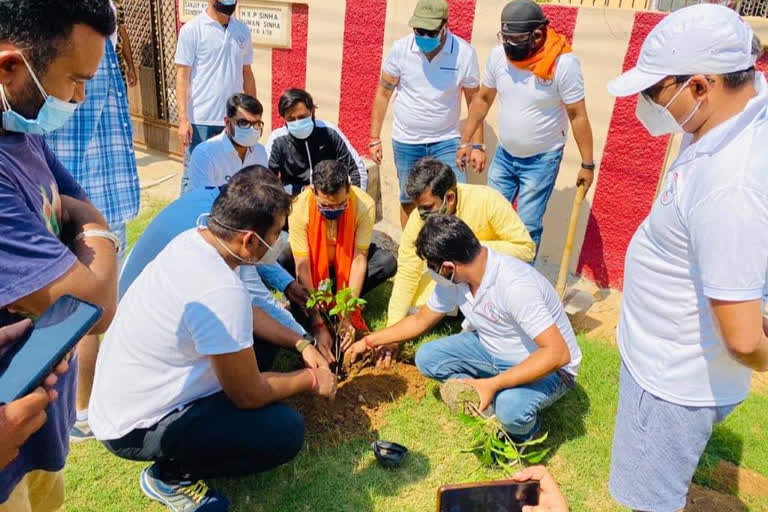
(521, 16)
(429, 14)
(700, 39)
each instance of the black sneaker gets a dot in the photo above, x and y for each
(182, 496)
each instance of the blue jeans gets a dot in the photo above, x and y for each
(406, 155)
(463, 356)
(200, 133)
(530, 180)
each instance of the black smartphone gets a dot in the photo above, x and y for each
(498, 496)
(26, 364)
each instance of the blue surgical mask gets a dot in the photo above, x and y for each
(332, 213)
(246, 137)
(427, 44)
(52, 115)
(301, 128)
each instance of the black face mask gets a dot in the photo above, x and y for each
(520, 51)
(225, 9)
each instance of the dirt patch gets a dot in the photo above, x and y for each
(361, 401)
(760, 383)
(701, 499)
(732, 479)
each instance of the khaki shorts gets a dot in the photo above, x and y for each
(38, 491)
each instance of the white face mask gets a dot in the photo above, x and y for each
(246, 137)
(439, 279)
(657, 119)
(273, 251)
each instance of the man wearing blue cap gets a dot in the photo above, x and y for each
(692, 330)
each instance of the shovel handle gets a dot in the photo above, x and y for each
(572, 223)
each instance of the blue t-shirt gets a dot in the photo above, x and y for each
(31, 257)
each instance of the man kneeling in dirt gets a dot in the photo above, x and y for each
(177, 379)
(523, 355)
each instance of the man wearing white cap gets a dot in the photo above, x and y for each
(696, 277)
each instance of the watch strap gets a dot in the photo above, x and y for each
(589, 167)
(302, 344)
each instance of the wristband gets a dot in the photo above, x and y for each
(369, 343)
(480, 147)
(589, 167)
(318, 325)
(100, 233)
(314, 378)
(374, 144)
(464, 146)
(302, 344)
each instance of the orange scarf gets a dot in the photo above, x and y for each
(542, 63)
(345, 249)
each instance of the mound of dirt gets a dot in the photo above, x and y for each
(701, 499)
(361, 401)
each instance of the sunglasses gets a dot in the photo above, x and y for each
(428, 33)
(513, 38)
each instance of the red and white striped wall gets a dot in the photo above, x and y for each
(336, 54)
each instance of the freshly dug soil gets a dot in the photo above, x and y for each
(456, 395)
(361, 401)
(701, 499)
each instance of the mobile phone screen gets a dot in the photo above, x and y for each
(24, 366)
(507, 497)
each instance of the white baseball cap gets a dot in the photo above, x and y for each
(700, 39)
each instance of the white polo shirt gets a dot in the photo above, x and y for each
(217, 56)
(705, 238)
(427, 105)
(214, 161)
(186, 306)
(532, 114)
(513, 305)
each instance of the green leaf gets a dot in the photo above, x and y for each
(511, 452)
(536, 441)
(467, 419)
(535, 457)
(335, 311)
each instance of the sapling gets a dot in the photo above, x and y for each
(334, 309)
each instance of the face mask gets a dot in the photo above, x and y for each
(657, 119)
(246, 137)
(425, 214)
(519, 51)
(332, 213)
(238, 258)
(52, 115)
(441, 280)
(428, 44)
(226, 7)
(275, 250)
(301, 128)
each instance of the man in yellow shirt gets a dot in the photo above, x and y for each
(330, 227)
(433, 189)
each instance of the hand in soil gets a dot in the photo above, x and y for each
(485, 388)
(356, 351)
(386, 355)
(346, 333)
(313, 358)
(325, 345)
(550, 497)
(326, 383)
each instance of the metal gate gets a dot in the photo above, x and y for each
(152, 28)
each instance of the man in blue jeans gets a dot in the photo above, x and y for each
(429, 68)
(523, 354)
(540, 87)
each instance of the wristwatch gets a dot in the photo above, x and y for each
(589, 167)
(481, 147)
(305, 341)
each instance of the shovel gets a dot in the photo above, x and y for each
(574, 301)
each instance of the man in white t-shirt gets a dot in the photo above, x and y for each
(177, 380)
(429, 69)
(540, 87)
(214, 53)
(523, 354)
(216, 160)
(691, 330)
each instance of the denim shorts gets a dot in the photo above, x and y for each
(406, 155)
(656, 447)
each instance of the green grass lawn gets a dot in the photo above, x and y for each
(343, 476)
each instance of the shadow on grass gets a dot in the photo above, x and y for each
(718, 467)
(350, 480)
(565, 419)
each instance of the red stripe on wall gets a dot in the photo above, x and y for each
(461, 17)
(629, 173)
(364, 22)
(289, 65)
(562, 18)
(762, 64)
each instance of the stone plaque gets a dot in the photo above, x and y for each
(191, 8)
(270, 23)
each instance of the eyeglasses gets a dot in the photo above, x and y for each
(244, 123)
(428, 33)
(513, 38)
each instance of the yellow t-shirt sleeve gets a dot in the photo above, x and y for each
(366, 218)
(298, 222)
(512, 238)
(409, 271)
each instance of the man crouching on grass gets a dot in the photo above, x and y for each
(523, 355)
